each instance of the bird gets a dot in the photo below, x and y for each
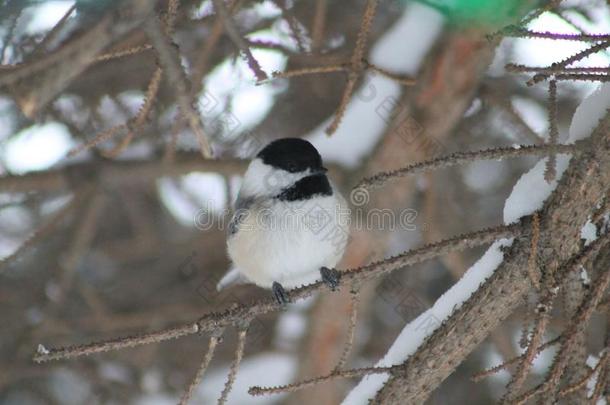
(290, 224)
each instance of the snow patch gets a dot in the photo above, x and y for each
(416, 332)
(531, 190)
(36, 148)
(584, 276)
(588, 232)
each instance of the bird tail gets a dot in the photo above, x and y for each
(233, 276)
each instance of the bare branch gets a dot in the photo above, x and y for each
(310, 71)
(365, 27)
(519, 32)
(493, 370)
(43, 354)
(214, 340)
(353, 373)
(123, 52)
(459, 158)
(237, 314)
(142, 115)
(586, 310)
(345, 98)
(293, 23)
(351, 330)
(239, 353)
(400, 79)
(356, 63)
(527, 360)
(170, 60)
(318, 24)
(238, 40)
(579, 384)
(100, 137)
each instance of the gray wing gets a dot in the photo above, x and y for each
(242, 206)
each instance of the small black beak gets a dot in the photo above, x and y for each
(321, 170)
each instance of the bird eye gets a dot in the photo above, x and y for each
(292, 167)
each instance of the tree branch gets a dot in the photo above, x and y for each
(240, 313)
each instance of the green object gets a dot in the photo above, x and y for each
(484, 12)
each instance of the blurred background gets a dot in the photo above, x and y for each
(112, 222)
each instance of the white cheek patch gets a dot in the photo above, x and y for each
(263, 180)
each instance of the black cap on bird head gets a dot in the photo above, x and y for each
(293, 155)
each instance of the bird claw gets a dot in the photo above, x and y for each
(280, 295)
(330, 277)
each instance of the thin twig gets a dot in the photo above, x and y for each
(43, 354)
(583, 77)
(170, 16)
(400, 79)
(356, 63)
(581, 383)
(532, 15)
(239, 353)
(493, 370)
(575, 262)
(602, 377)
(186, 397)
(141, 116)
(459, 158)
(584, 313)
(542, 320)
(238, 40)
(345, 98)
(318, 25)
(351, 330)
(549, 70)
(293, 24)
(123, 52)
(363, 34)
(525, 33)
(170, 60)
(353, 373)
(600, 384)
(310, 71)
(568, 61)
(100, 137)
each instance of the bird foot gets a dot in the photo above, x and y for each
(280, 295)
(330, 277)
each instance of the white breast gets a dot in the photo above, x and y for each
(289, 242)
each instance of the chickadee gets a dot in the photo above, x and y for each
(290, 224)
